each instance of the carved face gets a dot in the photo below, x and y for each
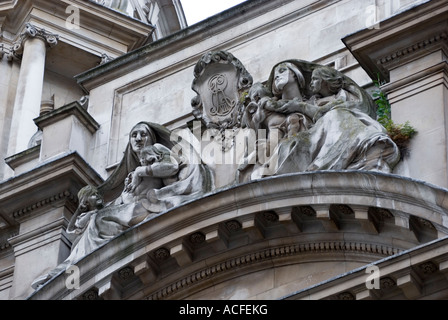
(319, 86)
(90, 199)
(94, 201)
(140, 137)
(315, 84)
(148, 156)
(282, 76)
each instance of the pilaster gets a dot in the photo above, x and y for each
(30, 49)
(409, 52)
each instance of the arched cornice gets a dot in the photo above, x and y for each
(346, 216)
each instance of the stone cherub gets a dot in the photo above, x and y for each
(261, 114)
(158, 168)
(90, 201)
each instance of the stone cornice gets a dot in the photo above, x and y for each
(64, 196)
(23, 157)
(421, 45)
(269, 212)
(101, 30)
(196, 33)
(268, 255)
(400, 38)
(71, 109)
(58, 179)
(16, 14)
(421, 261)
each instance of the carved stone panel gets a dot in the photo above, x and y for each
(219, 81)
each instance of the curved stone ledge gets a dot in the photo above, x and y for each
(402, 277)
(286, 252)
(349, 217)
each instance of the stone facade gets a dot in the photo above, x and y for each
(292, 234)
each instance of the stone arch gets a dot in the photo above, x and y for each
(279, 225)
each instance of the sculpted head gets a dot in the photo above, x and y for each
(89, 199)
(286, 73)
(150, 155)
(326, 81)
(140, 136)
(258, 91)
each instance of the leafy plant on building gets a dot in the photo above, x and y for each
(400, 133)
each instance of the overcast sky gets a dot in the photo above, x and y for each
(197, 10)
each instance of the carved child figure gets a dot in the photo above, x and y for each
(260, 113)
(328, 90)
(158, 168)
(90, 201)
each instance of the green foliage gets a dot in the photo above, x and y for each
(244, 96)
(399, 133)
(383, 105)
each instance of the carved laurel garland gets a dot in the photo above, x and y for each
(271, 253)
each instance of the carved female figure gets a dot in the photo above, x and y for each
(173, 179)
(141, 135)
(353, 138)
(287, 87)
(344, 133)
(266, 111)
(150, 179)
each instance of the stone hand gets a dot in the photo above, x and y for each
(292, 106)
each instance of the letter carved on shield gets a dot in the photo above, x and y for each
(220, 79)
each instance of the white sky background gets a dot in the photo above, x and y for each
(198, 10)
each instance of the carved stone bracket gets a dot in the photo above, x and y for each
(31, 31)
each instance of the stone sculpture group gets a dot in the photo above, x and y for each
(312, 117)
